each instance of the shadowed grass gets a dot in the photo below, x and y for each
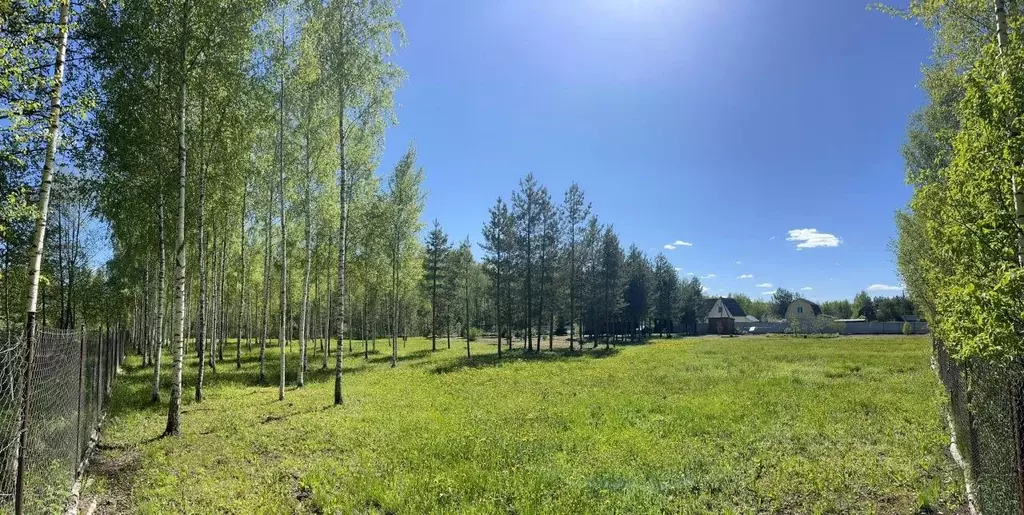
(693, 425)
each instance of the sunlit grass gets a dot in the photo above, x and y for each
(687, 425)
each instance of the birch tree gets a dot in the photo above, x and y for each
(162, 288)
(52, 140)
(404, 205)
(354, 43)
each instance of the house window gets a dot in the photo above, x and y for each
(800, 309)
(719, 310)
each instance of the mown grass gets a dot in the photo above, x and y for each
(688, 425)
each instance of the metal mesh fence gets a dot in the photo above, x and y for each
(985, 407)
(71, 374)
(11, 359)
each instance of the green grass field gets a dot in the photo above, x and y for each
(742, 425)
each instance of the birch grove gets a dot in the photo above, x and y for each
(238, 146)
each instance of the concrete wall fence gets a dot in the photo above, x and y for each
(846, 327)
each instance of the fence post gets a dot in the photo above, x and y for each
(1017, 423)
(98, 402)
(26, 393)
(966, 375)
(105, 336)
(81, 392)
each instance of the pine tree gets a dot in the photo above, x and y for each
(527, 215)
(437, 249)
(575, 211)
(611, 277)
(666, 285)
(637, 295)
(498, 245)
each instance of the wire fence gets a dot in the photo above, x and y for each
(72, 372)
(986, 399)
(11, 359)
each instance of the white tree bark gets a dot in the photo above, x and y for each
(162, 288)
(201, 321)
(343, 228)
(282, 336)
(241, 289)
(174, 409)
(305, 279)
(267, 264)
(1018, 193)
(35, 263)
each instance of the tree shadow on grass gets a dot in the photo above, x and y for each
(518, 355)
(409, 356)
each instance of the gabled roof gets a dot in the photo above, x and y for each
(730, 303)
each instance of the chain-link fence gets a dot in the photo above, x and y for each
(11, 359)
(71, 375)
(986, 398)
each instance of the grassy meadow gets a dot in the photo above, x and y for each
(693, 425)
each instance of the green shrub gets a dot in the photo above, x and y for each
(474, 333)
(907, 328)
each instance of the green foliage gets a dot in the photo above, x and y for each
(682, 426)
(611, 264)
(957, 240)
(638, 289)
(961, 239)
(837, 308)
(892, 309)
(666, 290)
(781, 300)
(690, 301)
(759, 308)
(863, 306)
(907, 328)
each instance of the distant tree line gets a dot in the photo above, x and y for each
(883, 309)
(552, 269)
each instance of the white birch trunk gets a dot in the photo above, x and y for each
(343, 228)
(241, 290)
(174, 409)
(162, 281)
(282, 336)
(35, 263)
(305, 279)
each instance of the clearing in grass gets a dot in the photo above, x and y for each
(686, 425)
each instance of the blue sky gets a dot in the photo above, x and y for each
(725, 125)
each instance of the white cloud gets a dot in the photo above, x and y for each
(705, 289)
(679, 269)
(765, 285)
(669, 246)
(681, 243)
(768, 292)
(689, 273)
(739, 262)
(746, 276)
(811, 238)
(884, 287)
(772, 238)
(709, 276)
(806, 288)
